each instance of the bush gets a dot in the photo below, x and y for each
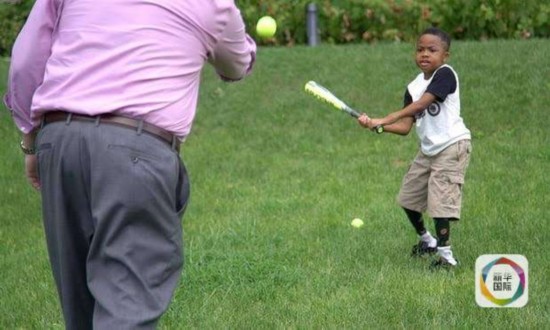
(353, 21)
(12, 16)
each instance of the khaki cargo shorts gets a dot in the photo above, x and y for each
(434, 184)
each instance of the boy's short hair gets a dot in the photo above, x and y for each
(440, 33)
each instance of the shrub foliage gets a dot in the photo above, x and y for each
(12, 16)
(354, 21)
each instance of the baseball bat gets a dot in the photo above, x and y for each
(327, 96)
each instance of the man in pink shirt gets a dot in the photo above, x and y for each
(104, 91)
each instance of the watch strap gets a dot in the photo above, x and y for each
(26, 150)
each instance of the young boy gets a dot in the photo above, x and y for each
(434, 180)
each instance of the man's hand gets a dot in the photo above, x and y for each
(31, 171)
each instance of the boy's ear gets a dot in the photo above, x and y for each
(447, 55)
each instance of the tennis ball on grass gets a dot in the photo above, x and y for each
(357, 223)
(266, 27)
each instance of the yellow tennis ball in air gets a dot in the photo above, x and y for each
(357, 223)
(266, 27)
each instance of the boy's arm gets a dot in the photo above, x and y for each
(409, 111)
(443, 83)
(401, 127)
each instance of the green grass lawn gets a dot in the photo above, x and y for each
(277, 177)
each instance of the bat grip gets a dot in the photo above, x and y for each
(378, 129)
(353, 113)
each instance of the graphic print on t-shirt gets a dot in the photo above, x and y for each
(433, 109)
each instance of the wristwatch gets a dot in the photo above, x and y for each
(27, 150)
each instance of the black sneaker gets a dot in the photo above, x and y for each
(422, 248)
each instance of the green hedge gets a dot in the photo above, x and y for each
(12, 16)
(352, 21)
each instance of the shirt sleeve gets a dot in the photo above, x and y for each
(407, 98)
(235, 52)
(30, 52)
(442, 84)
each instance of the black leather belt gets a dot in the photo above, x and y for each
(164, 135)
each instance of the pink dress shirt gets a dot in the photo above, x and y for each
(135, 58)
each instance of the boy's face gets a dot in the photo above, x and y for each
(431, 53)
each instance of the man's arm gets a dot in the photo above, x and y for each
(30, 53)
(235, 53)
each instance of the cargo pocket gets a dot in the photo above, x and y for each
(457, 179)
(456, 182)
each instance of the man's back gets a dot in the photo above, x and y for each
(140, 59)
(103, 91)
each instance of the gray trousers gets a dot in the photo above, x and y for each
(112, 205)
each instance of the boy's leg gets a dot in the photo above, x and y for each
(416, 220)
(446, 180)
(413, 194)
(445, 195)
(413, 199)
(443, 227)
(427, 243)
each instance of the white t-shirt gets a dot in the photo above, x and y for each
(440, 125)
